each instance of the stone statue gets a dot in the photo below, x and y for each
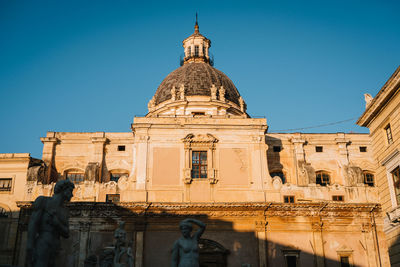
(185, 252)
(123, 256)
(49, 221)
(182, 92)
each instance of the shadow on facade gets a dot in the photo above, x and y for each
(275, 166)
(394, 249)
(228, 240)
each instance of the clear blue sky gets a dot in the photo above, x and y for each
(94, 65)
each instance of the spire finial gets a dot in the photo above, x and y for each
(196, 26)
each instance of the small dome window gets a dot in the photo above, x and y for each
(196, 50)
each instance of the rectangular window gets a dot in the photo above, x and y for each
(198, 114)
(344, 261)
(5, 184)
(277, 148)
(121, 148)
(389, 136)
(288, 199)
(112, 198)
(76, 178)
(337, 198)
(363, 149)
(396, 183)
(196, 50)
(199, 164)
(319, 149)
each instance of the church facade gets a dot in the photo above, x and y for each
(268, 199)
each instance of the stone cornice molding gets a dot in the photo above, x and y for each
(49, 139)
(99, 140)
(390, 88)
(332, 210)
(391, 156)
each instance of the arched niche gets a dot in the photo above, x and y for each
(212, 254)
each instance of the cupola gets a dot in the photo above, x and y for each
(196, 47)
(197, 88)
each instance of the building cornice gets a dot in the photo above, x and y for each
(325, 209)
(390, 88)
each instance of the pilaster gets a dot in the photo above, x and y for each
(319, 251)
(98, 141)
(84, 230)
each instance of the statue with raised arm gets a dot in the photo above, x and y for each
(48, 222)
(185, 252)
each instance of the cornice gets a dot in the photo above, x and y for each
(101, 209)
(390, 88)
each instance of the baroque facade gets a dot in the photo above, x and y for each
(268, 199)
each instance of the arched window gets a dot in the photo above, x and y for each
(369, 178)
(196, 51)
(322, 178)
(189, 51)
(280, 174)
(74, 175)
(116, 174)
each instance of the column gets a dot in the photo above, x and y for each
(299, 158)
(342, 143)
(49, 143)
(98, 142)
(84, 230)
(369, 241)
(261, 233)
(140, 230)
(318, 243)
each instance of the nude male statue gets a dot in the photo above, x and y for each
(49, 221)
(185, 252)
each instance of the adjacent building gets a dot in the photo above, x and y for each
(382, 117)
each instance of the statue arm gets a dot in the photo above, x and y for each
(202, 227)
(175, 255)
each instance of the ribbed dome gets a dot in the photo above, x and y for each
(198, 79)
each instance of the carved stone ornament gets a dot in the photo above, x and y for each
(213, 90)
(277, 182)
(182, 92)
(173, 93)
(206, 139)
(222, 93)
(187, 180)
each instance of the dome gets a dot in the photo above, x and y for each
(197, 78)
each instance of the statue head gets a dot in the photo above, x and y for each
(186, 228)
(64, 187)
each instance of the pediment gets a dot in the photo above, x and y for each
(200, 138)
